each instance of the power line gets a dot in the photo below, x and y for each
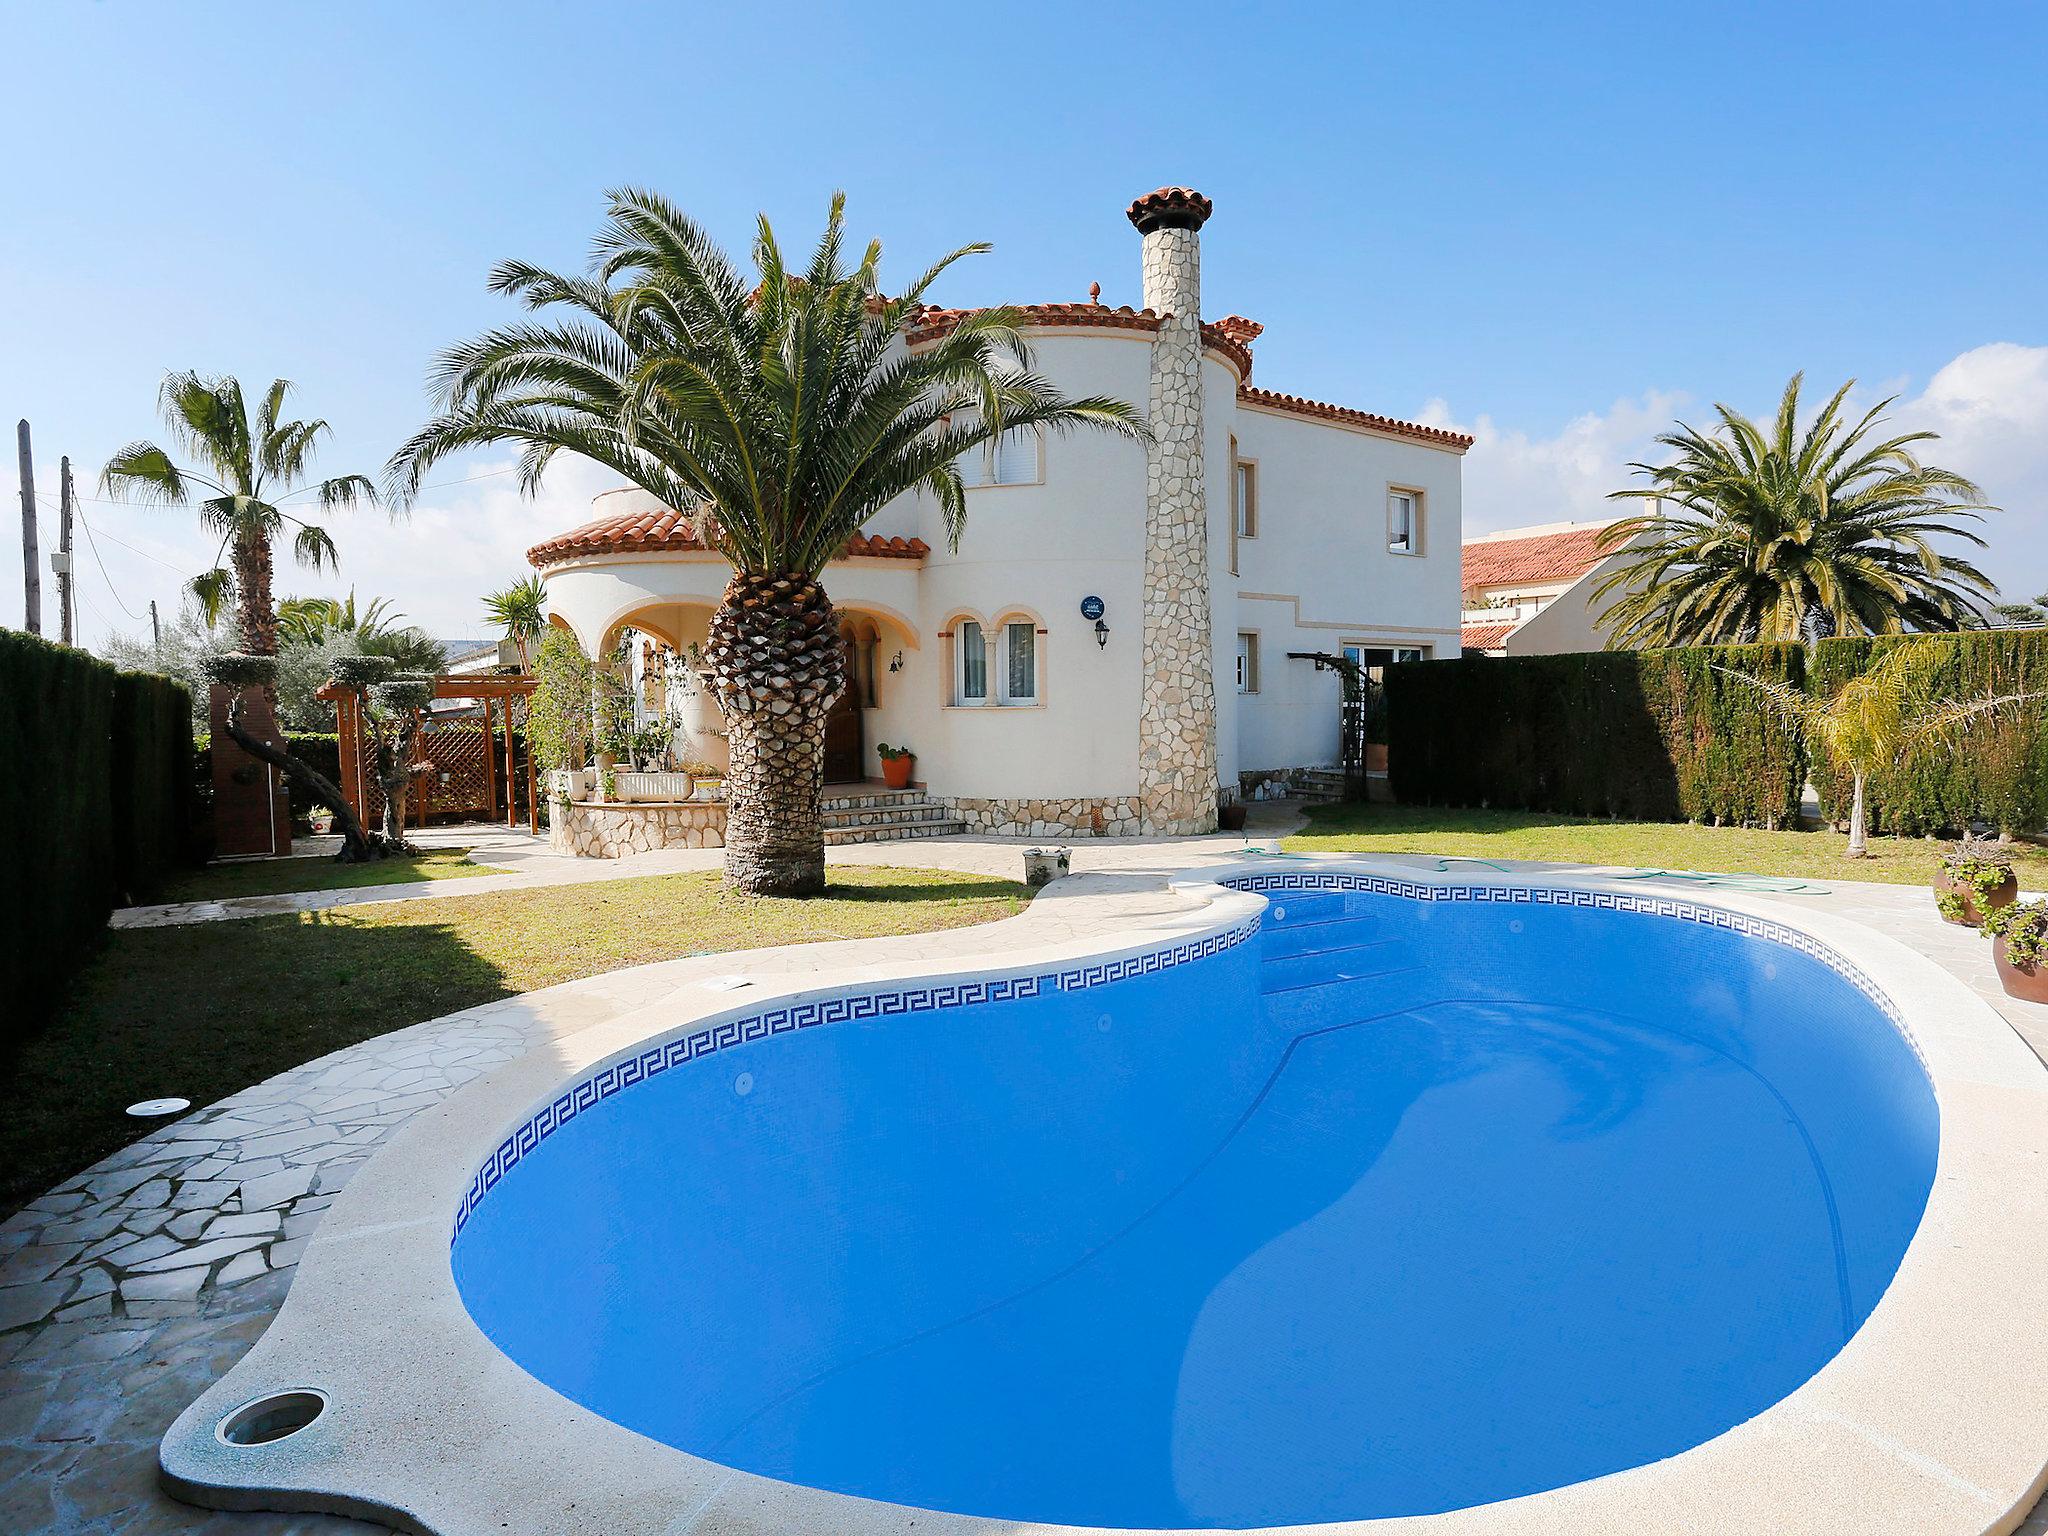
(96, 560)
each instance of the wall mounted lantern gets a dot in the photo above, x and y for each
(1092, 608)
(896, 662)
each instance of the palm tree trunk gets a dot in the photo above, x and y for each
(254, 610)
(1859, 846)
(777, 664)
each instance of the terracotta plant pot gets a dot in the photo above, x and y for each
(1375, 757)
(2029, 985)
(896, 771)
(1230, 818)
(1974, 909)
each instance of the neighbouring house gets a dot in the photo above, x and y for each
(1110, 644)
(1529, 591)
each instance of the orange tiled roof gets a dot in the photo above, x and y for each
(664, 529)
(1562, 556)
(930, 324)
(1170, 208)
(1322, 410)
(1484, 637)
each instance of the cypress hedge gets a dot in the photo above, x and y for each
(1997, 772)
(1642, 735)
(95, 766)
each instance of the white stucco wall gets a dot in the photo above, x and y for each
(1319, 573)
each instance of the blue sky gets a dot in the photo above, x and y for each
(1558, 226)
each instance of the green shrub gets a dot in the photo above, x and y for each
(1998, 773)
(152, 799)
(93, 801)
(1642, 735)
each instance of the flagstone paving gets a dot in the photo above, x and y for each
(130, 1288)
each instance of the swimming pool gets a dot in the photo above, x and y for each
(1397, 1198)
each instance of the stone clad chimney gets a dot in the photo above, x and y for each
(1177, 708)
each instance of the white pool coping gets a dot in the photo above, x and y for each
(1932, 1420)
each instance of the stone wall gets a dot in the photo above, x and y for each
(1177, 708)
(591, 830)
(1111, 816)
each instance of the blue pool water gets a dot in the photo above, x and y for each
(1397, 1207)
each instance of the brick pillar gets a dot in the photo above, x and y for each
(1177, 707)
(250, 811)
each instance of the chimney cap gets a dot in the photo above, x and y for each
(1170, 208)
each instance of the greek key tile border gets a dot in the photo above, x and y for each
(809, 1013)
(1600, 901)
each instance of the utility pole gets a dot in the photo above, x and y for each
(31, 558)
(156, 639)
(66, 602)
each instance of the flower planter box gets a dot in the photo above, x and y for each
(2029, 985)
(1973, 908)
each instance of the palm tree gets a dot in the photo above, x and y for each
(1883, 716)
(375, 630)
(521, 611)
(780, 414)
(1780, 535)
(248, 471)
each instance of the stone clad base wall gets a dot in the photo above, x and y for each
(592, 831)
(1082, 816)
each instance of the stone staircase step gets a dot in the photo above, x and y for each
(891, 831)
(886, 814)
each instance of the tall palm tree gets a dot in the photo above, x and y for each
(247, 471)
(521, 611)
(780, 414)
(1773, 534)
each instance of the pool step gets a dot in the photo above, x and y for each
(1333, 1004)
(1339, 962)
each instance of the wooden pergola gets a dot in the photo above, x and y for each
(488, 690)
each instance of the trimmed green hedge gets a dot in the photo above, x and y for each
(1999, 771)
(1642, 735)
(90, 801)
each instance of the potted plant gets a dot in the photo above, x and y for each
(1974, 879)
(1229, 813)
(2019, 948)
(896, 764)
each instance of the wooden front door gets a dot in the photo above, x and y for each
(843, 745)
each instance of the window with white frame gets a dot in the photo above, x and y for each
(1404, 522)
(1244, 496)
(1012, 459)
(1020, 662)
(970, 664)
(1247, 662)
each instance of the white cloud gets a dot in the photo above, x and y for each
(1990, 406)
(1512, 479)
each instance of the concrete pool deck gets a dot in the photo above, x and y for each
(89, 1383)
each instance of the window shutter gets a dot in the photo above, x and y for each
(1017, 457)
(973, 662)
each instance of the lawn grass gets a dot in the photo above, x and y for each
(271, 877)
(201, 1010)
(1817, 856)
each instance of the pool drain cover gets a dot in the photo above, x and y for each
(151, 1109)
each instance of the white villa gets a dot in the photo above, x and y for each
(1529, 591)
(1109, 647)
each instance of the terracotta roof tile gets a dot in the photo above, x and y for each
(930, 324)
(1563, 556)
(664, 529)
(1323, 411)
(1170, 208)
(1484, 637)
